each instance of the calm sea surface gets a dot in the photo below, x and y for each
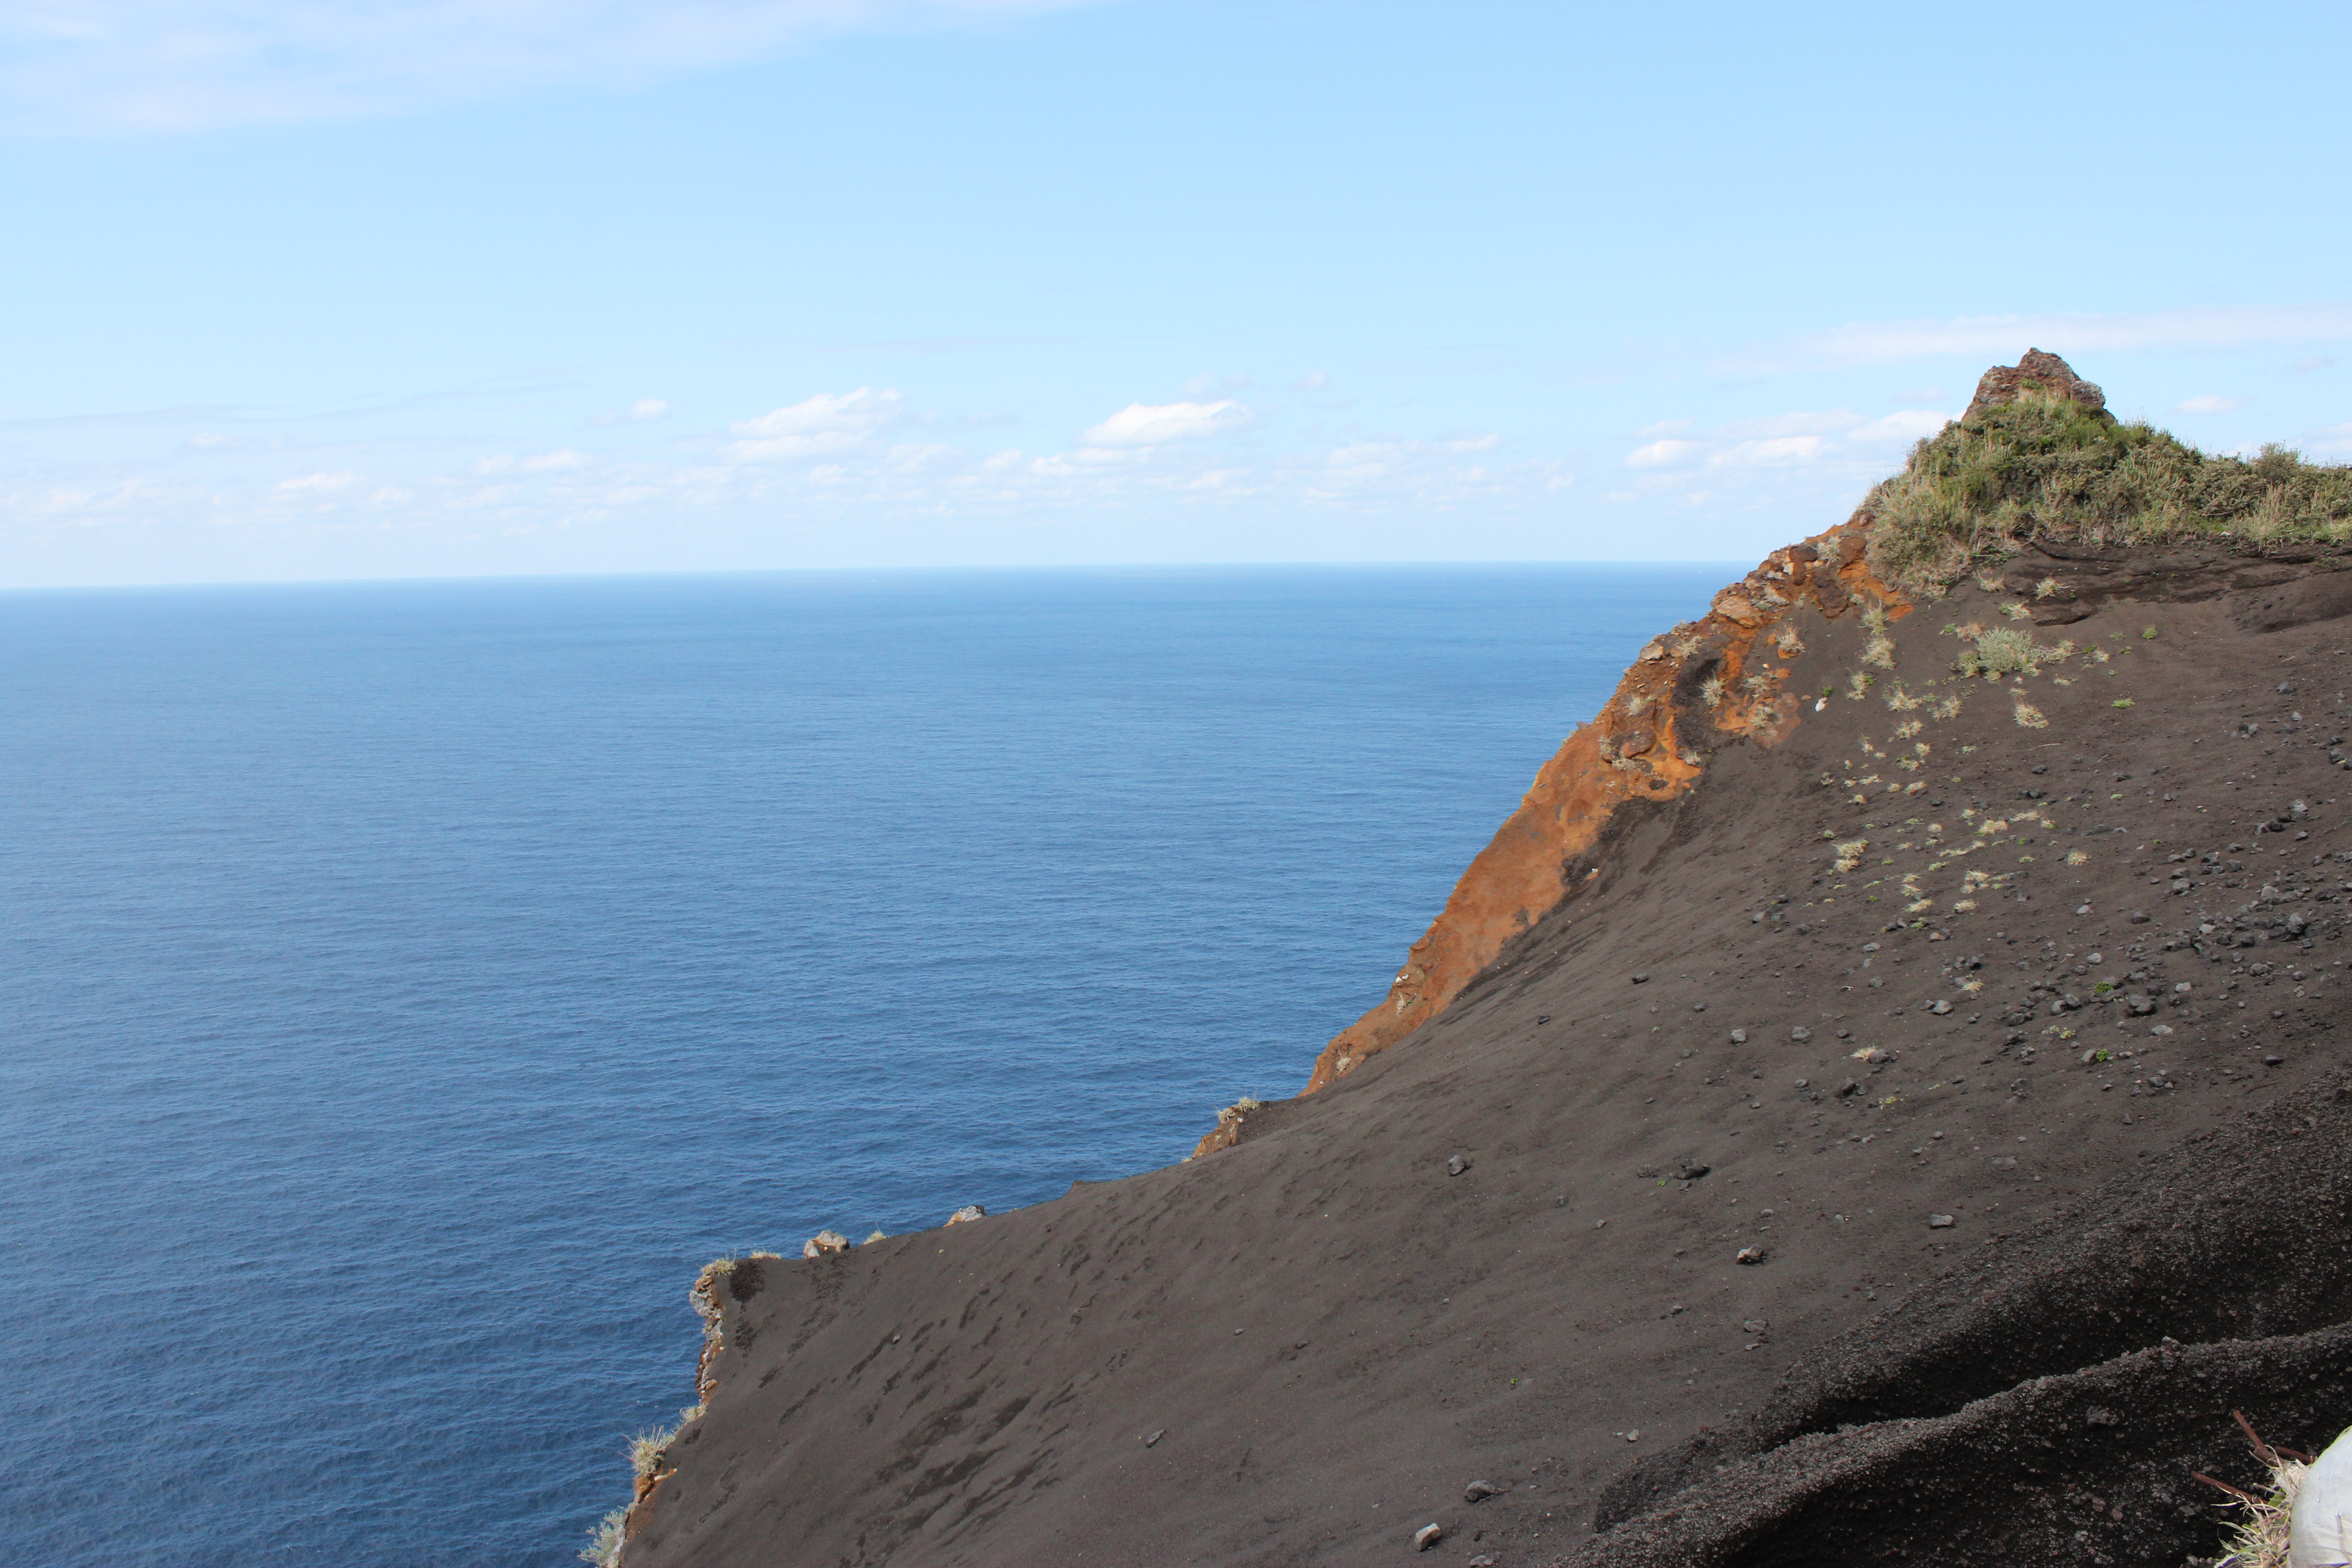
(407, 987)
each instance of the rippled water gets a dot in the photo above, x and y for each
(409, 986)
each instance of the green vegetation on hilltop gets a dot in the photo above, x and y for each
(2047, 467)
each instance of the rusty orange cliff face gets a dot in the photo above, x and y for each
(1698, 687)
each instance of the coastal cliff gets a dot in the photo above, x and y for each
(1841, 1115)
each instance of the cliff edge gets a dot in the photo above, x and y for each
(1883, 1094)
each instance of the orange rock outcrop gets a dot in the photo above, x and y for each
(1703, 685)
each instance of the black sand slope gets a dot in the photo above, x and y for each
(2006, 1275)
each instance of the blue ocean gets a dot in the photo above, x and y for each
(409, 986)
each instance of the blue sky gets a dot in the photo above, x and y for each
(310, 290)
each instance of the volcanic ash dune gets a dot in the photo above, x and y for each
(1879, 1098)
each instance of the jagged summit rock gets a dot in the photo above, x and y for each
(2040, 372)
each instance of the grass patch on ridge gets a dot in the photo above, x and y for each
(2046, 468)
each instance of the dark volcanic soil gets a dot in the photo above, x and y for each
(1301, 1349)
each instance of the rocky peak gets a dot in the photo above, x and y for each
(2040, 372)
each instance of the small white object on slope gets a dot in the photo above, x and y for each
(2320, 1531)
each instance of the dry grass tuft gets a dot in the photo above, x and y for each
(2258, 1532)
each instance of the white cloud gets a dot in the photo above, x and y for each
(638, 413)
(2331, 439)
(1666, 427)
(1835, 440)
(1905, 426)
(2209, 405)
(316, 484)
(829, 422)
(181, 65)
(1152, 424)
(2310, 363)
(1778, 451)
(539, 463)
(1664, 454)
(2006, 337)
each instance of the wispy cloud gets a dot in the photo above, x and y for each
(1836, 438)
(74, 66)
(1981, 338)
(1664, 453)
(2207, 405)
(826, 423)
(1151, 424)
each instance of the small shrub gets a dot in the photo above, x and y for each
(603, 1548)
(2077, 858)
(879, 1235)
(2121, 702)
(2147, 633)
(1710, 691)
(1858, 684)
(2027, 714)
(1999, 651)
(2046, 588)
(1850, 853)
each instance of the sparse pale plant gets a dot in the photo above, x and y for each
(1637, 705)
(603, 1548)
(1948, 708)
(1909, 728)
(2027, 714)
(2077, 858)
(2099, 656)
(1789, 643)
(2001, 651)
(1988, 582)
(1857, 685)
(1710, 691)
(1964, 906)
(1850, 853)
(879, 1235)
(2046, 588)
(1756, 685)
(1899, 699)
